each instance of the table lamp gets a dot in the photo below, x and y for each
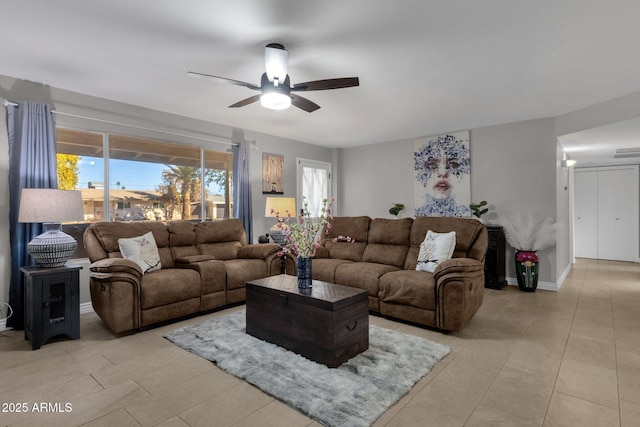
(51, 207)
(279, 207)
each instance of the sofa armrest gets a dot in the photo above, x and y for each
(193, 259)
(458, 265)
(113, 267)
(258, 250)
(212, 271)
(321, 252)
(459, 292)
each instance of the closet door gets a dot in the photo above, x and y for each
(585, 201)
(618, 214)
(606, 213)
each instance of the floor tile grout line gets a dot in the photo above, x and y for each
(564, 351)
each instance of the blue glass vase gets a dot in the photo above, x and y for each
(304, 272)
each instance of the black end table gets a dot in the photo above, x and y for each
(51, 303)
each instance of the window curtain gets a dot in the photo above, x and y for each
(314, 185)
(242, 187)
(32, 164)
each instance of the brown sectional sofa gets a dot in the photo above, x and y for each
(205, 265)
(383, 259)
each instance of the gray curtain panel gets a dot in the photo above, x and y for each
(242, 187)
(32, 164)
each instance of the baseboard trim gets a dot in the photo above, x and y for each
(564, 275)
(86, 307)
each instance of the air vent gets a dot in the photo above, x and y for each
(623, 153)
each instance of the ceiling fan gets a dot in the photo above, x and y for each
(275, 88)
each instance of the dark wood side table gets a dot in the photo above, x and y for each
(494, 263)
(51, 303)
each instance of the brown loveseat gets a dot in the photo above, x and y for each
(383, 259)
(204, 265)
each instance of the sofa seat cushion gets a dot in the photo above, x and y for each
(169, 285)
(409, 287)
(363, 275)
(240, 271)
(324, 269)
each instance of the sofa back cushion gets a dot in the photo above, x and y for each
(108, 233)
(356, 227)
(182, 239)
(221, 239)
(388, 241)
(471, 237)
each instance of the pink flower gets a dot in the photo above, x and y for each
(523, 256)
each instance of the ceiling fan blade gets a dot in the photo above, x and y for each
(223, 80)
(304, 103)
(327, 84)
(247, 101)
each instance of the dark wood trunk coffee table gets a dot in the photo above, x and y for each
(328, 323)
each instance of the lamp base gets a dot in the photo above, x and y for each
(53, 248)
(277, 235)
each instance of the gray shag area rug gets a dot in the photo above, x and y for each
(354, 394)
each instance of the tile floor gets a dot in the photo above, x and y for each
(568, 358)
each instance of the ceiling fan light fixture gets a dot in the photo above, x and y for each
(275, 62)
(275, 100)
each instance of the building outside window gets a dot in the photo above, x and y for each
(132, 179)
(147, 179)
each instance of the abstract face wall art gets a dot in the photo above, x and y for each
(442, 171)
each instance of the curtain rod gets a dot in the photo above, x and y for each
(15, 104)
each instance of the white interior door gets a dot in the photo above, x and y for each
(617, 214)
(586, 213)
(607, 213)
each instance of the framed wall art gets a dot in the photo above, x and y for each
(442, 170)
(272, 173)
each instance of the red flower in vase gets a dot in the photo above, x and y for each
(523, 256)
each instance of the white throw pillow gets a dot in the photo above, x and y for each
(142, 250)
(436, 248)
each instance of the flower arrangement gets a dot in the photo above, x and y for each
(529, 233)
(302, 235)
(347, 239)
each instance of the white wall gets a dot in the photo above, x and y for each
(513, 167)
(193, 130)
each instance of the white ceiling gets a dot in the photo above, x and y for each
(425, 66)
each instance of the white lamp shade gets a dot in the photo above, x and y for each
(46, 205)
(280, 206)
(51, 207)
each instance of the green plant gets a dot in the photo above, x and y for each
(477, 208)
(395, 210)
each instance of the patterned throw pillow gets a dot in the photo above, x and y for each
(436, 248)
(142, 250)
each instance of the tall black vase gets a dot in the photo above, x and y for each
(304, 272)
(527, 268)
